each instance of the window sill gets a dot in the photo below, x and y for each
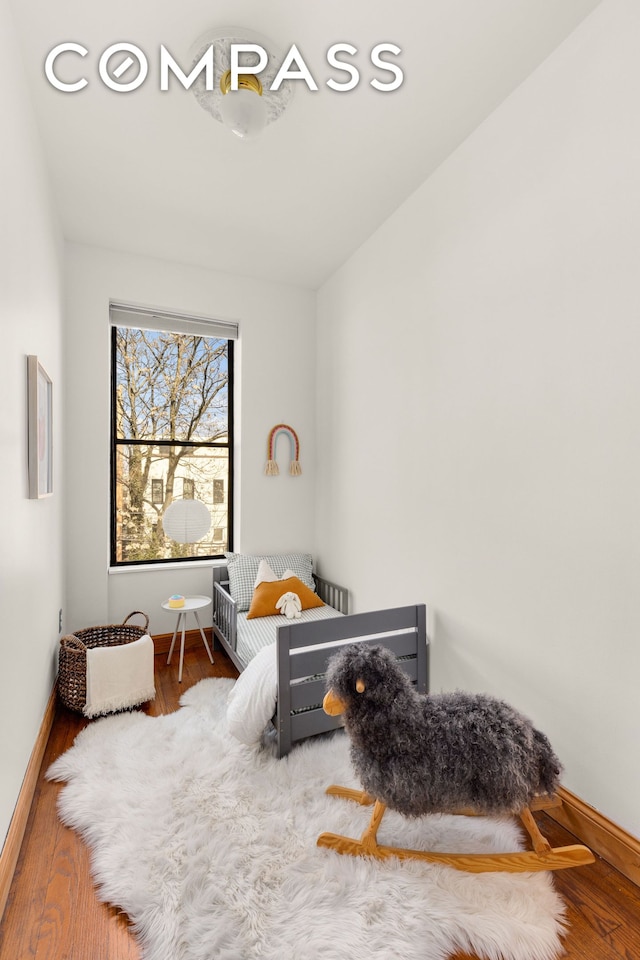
(156, 567)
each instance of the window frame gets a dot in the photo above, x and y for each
(115, 442)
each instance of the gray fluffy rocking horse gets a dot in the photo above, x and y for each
(455, 753)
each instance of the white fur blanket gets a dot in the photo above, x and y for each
(210, 848)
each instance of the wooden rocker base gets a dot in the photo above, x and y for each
(542, 857)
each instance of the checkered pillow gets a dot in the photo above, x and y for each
(243, 570)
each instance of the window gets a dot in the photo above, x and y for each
(171, 429)
(218, 490)
(157, 492)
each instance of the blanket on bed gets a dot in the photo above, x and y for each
(252, 700)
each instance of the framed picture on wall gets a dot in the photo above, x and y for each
(40, 420)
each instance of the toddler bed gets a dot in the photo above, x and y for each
(283, 661)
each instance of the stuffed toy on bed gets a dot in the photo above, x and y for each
(289, 605)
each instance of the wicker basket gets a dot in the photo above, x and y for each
(72, 662)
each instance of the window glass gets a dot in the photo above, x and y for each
(171, 440)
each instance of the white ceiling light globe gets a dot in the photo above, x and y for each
(244, 112)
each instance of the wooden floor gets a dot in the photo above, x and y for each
(52, 912)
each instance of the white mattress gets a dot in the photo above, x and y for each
(252, 635)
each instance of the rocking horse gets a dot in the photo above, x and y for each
(457, 753)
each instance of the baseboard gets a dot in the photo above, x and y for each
(603, 836)
(18, 825)
(192, 638)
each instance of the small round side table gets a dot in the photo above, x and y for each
(191, 605)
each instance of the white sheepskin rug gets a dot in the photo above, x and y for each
(210, 848)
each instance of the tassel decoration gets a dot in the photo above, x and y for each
(271, 469)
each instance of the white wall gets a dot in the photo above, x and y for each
(479, 407)
(31, 569)
(275, 382)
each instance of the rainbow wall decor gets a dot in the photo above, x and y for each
(272, 469)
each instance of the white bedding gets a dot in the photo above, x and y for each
(252, 635)
(252, 699)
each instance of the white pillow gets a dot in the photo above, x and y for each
(266, 574)
(252, 700)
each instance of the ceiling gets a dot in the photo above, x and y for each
(151, 173)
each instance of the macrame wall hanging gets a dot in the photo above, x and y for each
(272, 469)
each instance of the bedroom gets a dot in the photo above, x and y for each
(489, 323)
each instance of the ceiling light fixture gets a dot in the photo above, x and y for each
(240, 109)
(249, 109)
(186, 521)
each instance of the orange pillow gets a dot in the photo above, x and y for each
(267, 594)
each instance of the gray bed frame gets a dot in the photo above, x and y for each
(303, 650)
